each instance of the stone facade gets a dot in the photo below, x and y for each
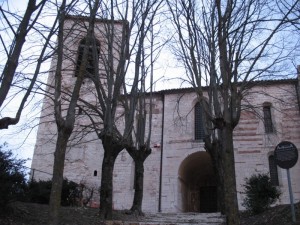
(178, 161)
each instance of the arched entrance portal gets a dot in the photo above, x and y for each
(198, 183)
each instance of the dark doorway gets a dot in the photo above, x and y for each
(198, 184)
(208, 199)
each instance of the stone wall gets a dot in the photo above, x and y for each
(173, 113)
(252, 145)
(165, 187)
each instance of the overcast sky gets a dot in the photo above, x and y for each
(22, 139)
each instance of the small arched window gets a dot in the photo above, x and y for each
(268, 118)
(95, 173)
(199, 125)
(273, 171)
(92, 56)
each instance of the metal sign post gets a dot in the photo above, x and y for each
(291, 196)
(286, 156)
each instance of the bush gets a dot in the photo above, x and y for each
(39, 191)
(14, 187)
(67, 188)
(12, 178)
(260, 193)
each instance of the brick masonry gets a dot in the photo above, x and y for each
(173, 146)
(172, 141)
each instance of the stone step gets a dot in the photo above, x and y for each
(185, 218)
(176, 219)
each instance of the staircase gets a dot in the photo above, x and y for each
(184, 218)
(175, 219)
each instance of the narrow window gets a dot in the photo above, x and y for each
(199, 126)
(79, 111)
(268, 119)
(92, 57)
(273, 171)
(95, 173)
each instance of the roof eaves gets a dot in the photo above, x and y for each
(85, 18)
(250, 83)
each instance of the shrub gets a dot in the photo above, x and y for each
(67, 188)
(12, 177)
(260, 193)
(39, 191)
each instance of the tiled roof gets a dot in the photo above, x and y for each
(250, 84)
(75, 17)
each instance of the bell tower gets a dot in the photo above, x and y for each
(104, 52)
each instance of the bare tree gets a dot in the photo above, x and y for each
(139, 149)
(225, 45)
(140, 101)
(116, 92)
(64, 104)
(13, 52)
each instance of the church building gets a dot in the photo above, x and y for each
(178, 175)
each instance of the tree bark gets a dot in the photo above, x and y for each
(214, 150)
(57, 179)
(106, 186)
(139, 157)
(230, 193)
(221, 151)
(138, 187)
(111, 151)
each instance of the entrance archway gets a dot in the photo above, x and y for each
(198, 183)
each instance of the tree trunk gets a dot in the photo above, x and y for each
(221, 151)
(139, 157)
(111, 152)
(229, 177)
(138, 187)
(214, 151)
(106, 186)
(57, 179)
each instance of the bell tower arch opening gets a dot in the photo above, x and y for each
(198, 184)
